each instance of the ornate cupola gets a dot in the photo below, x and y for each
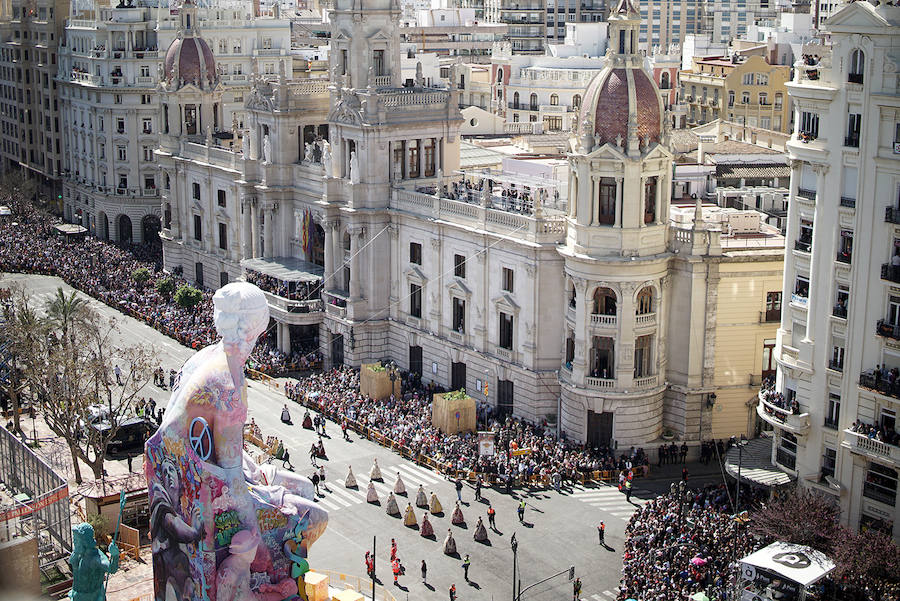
(622, 105)
(189, 60)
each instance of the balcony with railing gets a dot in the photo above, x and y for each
(791, 420)
(799, 300)
(603, 321)
(885, 328)
(891, 273)
(892, 215)
(848, 202)
(807, 194)
(851, 141)
(803, 245)
(861, 444)
(645, 319)
(600, 383)
(770, 315)
(836, 365)
(887, 385)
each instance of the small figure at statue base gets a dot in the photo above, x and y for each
(90, 565)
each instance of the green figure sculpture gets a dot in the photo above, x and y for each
(90, 565)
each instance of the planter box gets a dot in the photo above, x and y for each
(377, 384)
(444, 413)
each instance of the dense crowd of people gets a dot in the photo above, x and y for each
(104, 271)
(407, 421)
(680, 544)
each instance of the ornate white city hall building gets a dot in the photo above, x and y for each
(592, 311)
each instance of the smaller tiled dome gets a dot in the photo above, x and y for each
(607, 105)
(189, 60)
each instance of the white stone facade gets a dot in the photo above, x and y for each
(471, 287)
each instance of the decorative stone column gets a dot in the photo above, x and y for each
(820, 237)
(246, 229)
(254, 228)
(354, 263)
(329, 249)
(269, 232)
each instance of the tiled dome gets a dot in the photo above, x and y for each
(607, 106)
(195, 61)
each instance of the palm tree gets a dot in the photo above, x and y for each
(65, 311)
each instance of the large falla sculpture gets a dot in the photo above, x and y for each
(223, 528)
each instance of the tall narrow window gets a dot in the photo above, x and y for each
(606, 201)
(459, 315)
(857, 66)
(459, 266)
(650, 200)
(506, 331)
(223, 236)
(415, 300)
(198, 228)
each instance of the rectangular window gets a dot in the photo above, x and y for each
(786, 454)
(832, 416)
(220, 198)
(606, 201)
(459, 266)
(415, 253)
(223, 236)
(854, 125)
(198, 228)
(802, 287)
(773, 306)
(506, 331)
(147, 126)
(881, 484)
(196, 189)
(121, 152)
(829, 461)
(837, 355)
(459, 315)
(809, 124)
(147, 152)
(507, 279)
(841, 301)
(415, 300)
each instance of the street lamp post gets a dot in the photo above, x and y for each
(737, 501)
(514, 544)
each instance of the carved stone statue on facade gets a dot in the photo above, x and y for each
(420, 78)
(267, 150)
(326, 158)
(308, 153)
(245, 144)
(354, 168)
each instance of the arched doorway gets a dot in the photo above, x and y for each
(102, 226)
(124, 229)
(150, 227)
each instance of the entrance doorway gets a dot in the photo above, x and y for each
(415, 360)
(337, 350)
(504, 398)
(457, 376)
(600, 428)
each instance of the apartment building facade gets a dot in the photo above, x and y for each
(30, 125)
(838, 346)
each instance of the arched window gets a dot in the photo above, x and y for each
(650, 200)
(664, 81)
(604, 302)
(857, 66)
(500, 75)
(516, 100)
(554, 99)
(644, 302)
(576, 101)
(534, 104)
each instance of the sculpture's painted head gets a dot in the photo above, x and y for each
(241, 314)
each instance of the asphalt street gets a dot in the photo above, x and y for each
(559, 529)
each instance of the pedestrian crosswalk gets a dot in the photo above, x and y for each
(605, 596)
(337, 496)
(608, 499)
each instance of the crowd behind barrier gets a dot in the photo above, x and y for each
(104, 270)
(404, 425)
